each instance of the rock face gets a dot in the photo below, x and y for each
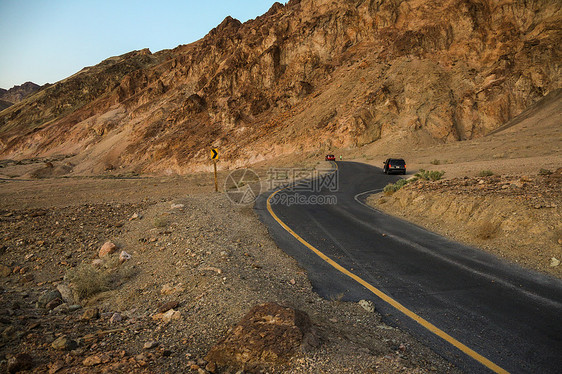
(305, 76)
(267, 336)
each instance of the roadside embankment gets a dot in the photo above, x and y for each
(518, 218)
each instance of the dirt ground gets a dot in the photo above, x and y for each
(190, 248)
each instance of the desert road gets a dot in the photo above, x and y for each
(479, 312)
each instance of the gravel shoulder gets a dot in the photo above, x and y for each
(190, 249)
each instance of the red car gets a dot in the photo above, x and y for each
(330, 158)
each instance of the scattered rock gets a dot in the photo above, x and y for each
(53, 304)
(124, 256)
(171, 315)
(267, 336)
(116, 318)
(135, 216)
(177, 206)
(367, 305)
(167, 317)
(63, 308)
(167, 306)
(150, 344)
(48, 296)
(107, 249)
(554, 262)
(55, 366)
(92, 360)
(21, 361)
(27, 278)
(5, 271)
(97, 263)
(74, 307)
(66, 293)
(211, 268)
(169, 289)
(211, 367)
(64, 343)
(89, 314)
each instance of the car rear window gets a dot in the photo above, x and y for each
(397, 162)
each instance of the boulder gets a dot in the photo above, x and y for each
(63, 343)
(5, 271)
(66, 293)
(48, 296)
(124, 256)
(20, 362)
(267, 337)
(90, 314)
(106, 249)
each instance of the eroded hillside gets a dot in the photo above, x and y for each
(307, 76)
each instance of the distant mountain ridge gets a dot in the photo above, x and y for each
(18, 93)
(307, 76)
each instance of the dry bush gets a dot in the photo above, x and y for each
(87, 280)
(391, 188)
(486, 173)
(487, 230)
(161, 222)
(429, 175)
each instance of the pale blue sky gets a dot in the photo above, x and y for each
(44, 41)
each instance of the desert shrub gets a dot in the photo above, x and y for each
(436, 162)
(160, 222)
(391, 188)
(429, 175)
(544, 172)
(486, 173)
(337, 298)
(487, 230)
(87, 280)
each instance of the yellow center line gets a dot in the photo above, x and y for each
(427, 325)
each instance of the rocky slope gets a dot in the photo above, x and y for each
(307, 76)
(197, 265)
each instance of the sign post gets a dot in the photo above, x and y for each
(215, 157)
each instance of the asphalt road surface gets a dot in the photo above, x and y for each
(478, 311)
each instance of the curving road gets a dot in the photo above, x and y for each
(479, 312)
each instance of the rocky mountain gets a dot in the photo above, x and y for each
(4, 104)
(307, 76)
(17, 94)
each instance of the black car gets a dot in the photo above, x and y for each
(394, 165)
